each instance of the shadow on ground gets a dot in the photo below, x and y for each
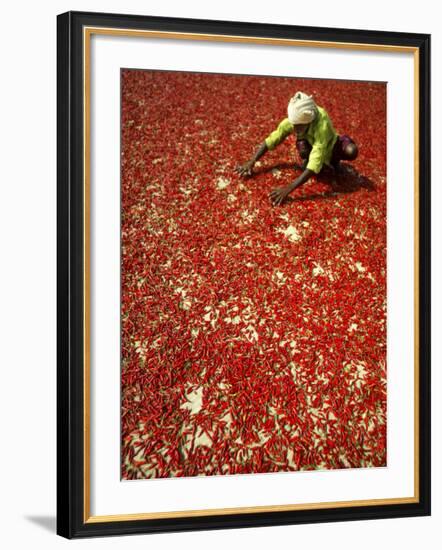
(48, 523)
(348, 180)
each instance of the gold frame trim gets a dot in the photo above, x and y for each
(87, 33)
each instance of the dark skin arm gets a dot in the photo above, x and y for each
(247, 168)
(278, 196)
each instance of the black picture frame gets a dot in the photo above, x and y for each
(72, 520)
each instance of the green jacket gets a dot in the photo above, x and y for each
(320, 134)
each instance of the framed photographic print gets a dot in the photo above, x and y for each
(243, 274)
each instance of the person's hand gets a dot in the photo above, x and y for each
(245, 169)
(278, 196)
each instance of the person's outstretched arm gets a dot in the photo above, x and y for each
(284, 129)
(314, 165)
(247, 168)
(278, 196)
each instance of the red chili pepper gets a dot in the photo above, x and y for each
(187, 246)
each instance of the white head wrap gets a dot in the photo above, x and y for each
(302, 109)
